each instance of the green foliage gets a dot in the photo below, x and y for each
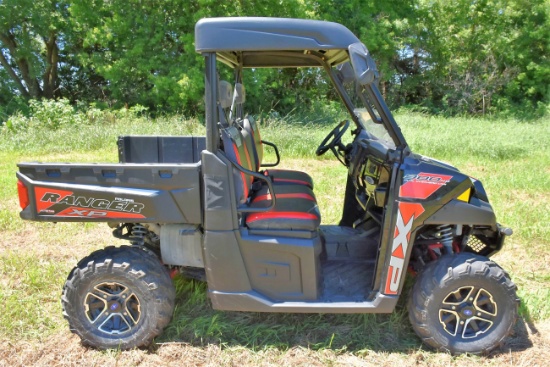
(462, 57)
(49, 114)
(54, 114)
(31, 35)
(148, 55)
(29, 294)
(484, 57)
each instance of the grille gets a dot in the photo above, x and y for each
(476, 245)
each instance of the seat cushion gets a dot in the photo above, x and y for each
(289, 177)
(295, 209)
(298, 214)
(262, 197)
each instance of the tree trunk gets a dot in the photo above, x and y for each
(33, 87)
(50, 75)
(24, 92)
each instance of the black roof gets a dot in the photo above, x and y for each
(260, 40)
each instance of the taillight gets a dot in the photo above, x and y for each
(23, 195)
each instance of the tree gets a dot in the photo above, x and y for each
(478, 51)
(145, 49)
(465, 56)
(384, 27)
(30, 36)
(528, 49)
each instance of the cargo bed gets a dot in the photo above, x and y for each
(143, 188)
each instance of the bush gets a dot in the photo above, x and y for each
(50, 114)
(16, 122)
(54, 113)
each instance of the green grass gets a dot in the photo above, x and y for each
(29, 295)
(195, 322)
(512, 159)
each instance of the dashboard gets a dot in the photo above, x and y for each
(369, 168)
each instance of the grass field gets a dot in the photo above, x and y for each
(512, 160)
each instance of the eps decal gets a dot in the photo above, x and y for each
(422, 185)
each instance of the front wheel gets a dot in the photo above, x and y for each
(463, 303)
(118, 297)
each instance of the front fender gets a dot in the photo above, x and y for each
(476, 212)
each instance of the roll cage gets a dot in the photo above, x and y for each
(254, 42)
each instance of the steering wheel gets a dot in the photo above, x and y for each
(336, 136)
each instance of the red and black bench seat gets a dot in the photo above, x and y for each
(296, 207)
(296, 214)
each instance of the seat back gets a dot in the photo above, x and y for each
(225, 99)
(236, 151)
(251, 127)
(239, 97)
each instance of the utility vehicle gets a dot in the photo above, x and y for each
(204, 206)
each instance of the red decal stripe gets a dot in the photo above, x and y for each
(290, 180)
(280, 215)
(423, 185)
(417, 190)
(247, 156)
(409, 210)
(74, 211)
(407, 213)
(399, 252)
(284, 196)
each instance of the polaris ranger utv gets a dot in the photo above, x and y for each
(204, 206)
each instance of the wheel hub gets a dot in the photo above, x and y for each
(468, 312)
(113, 308)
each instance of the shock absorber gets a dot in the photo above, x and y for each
(444, 234)
(137, 235)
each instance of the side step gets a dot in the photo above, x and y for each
(255, 302)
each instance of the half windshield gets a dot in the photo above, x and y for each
(369, 105)
(376, 131)
(366, 114)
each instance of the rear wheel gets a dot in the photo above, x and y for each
(463, 304)
(118, 298)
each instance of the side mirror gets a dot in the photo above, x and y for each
(363, 65)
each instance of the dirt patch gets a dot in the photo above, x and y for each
(59, 242)
(529, 346)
